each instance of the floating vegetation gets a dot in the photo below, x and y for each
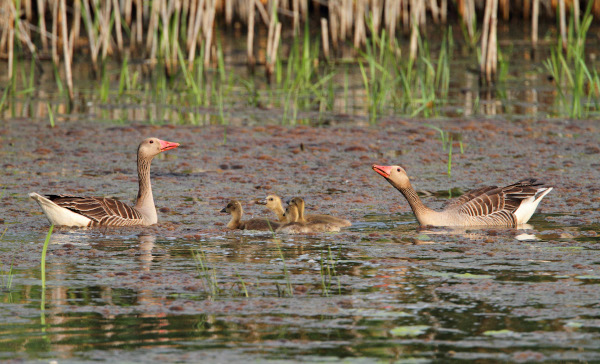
(409, 330)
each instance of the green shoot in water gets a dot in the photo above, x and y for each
(288, 284)
(208, 275)
(328, 271)
(6, 277)
(50, 115)
(43, 276)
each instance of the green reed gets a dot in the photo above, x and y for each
(6, 276)
(288, 284)
(447, 144)
(43, 275)
(50, 114)
(571, 72)
(328, 272)
(4, 96)
(207, 275)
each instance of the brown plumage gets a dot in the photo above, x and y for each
(317, 218)
(295, 226)
(99, 211)
(234, 208)
(511, 205)
(292, 226)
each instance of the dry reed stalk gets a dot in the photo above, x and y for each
(489, 54)
(11, 45)
(376, 11)
(127, 11)
(153, 29)
(333, 23)
(42, 24)
(271, 31)
(535, 12)
(485, 38)
(264, 15)
(325, 37)
(270, 67)
(197, 22)
(28, 12)
(345, 19)
(191, 24)
(55, 58)
(165, 49)
(94, 43)
(414, 33)
(19, 27)
(505, 7)
(138, 21)
(391, 17)
(405, 16)
(228, 12)
(104, 16)
(185, 9)
(304, 9)
(250, 41)
(493, 44)
(444, 11)
(596, 8)
(74, 36)
(175, 39)
(67, 58)
(4, 37)
(563, 23)
(118, 28)
(435, 11)
(296, 16)
(208, 26)
(359, 24)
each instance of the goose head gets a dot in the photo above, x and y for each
(272, 202)
(395, 175)
(234, 206)
(291, 213)
(151, 147)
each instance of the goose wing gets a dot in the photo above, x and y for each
(102, 211)
(468, 196)
(499, 199)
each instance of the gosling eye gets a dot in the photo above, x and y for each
(398, 169)
(152, 141)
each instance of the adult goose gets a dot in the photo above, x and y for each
(69, 210)
(511, 206)
(317, 218)
(234, 208)
(273, 203)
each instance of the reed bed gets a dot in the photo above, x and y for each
(156, 30)
(166, 46)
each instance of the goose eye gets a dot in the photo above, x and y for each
(398, 169)
(152, 141)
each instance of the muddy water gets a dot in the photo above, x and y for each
(382, 289)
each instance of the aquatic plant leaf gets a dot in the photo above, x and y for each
(473, 276)
(501, 333)
(588, 277)
(409, 330)
(573, 324)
